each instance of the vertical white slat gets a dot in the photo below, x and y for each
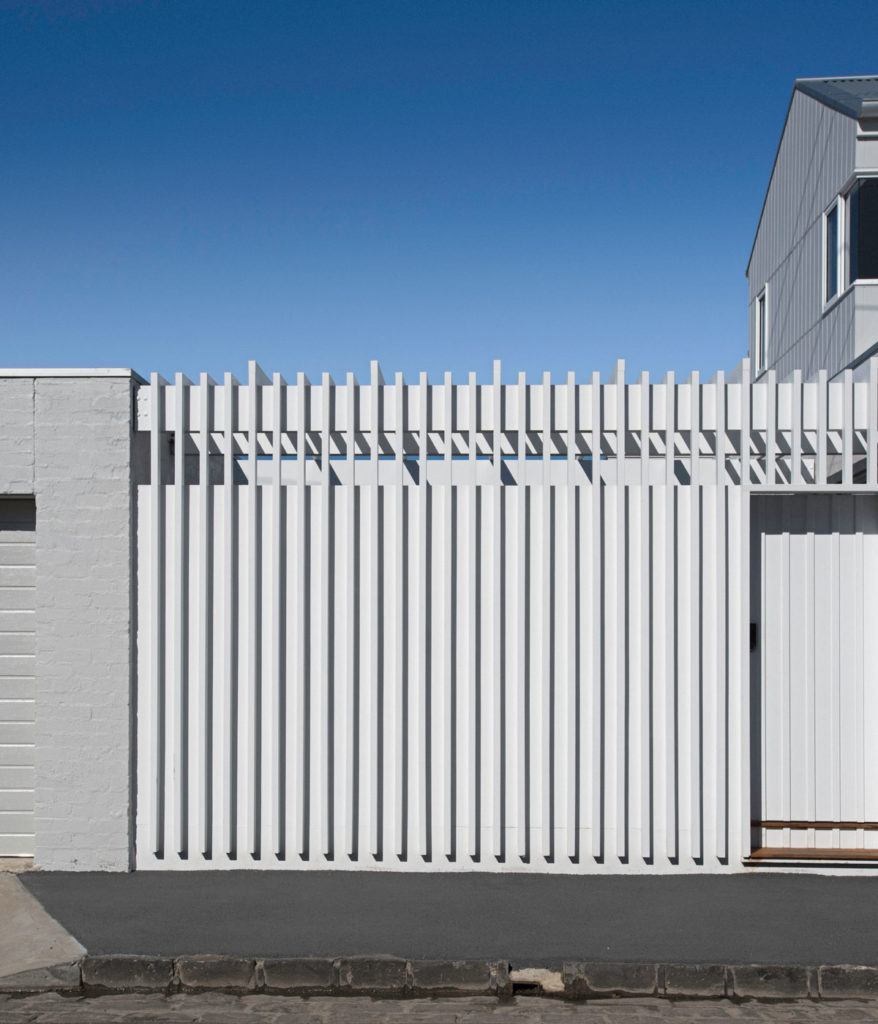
(695, 796)
(720, 716)
(494, 682)
(669, 758)
(421, 690)
(566, 721)
(321, 731)
(543, 681)
(157, 675)
(177, 709)
(201, 720)
(251, 704)
(230, 622)
(796, 429)
(822, 413)
(395, 768)
(468, 705)
(273, 717)
(872, 430)
(297, 727)
(836, 653)
(785, 680)
(465, 668)
(862, 741)
(372, 775)
(771, 428)
(517, 749)
(739, 708)
(645, 644)
(595, 759)
(446, 837)
(808, 650)
(847, 437)
(346, 726)
(619, 684)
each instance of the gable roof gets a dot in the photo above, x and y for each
(855, 97)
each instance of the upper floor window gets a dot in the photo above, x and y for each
(832, 251)
(862, 219)
(761, 333)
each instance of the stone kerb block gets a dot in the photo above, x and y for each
(846, 981)
(463, 977)
(374, 975)
(219, 973)
(749, 981)
(620, 979)
(299, 975)
(127, 973)
(703, 980)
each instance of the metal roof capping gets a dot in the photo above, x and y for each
(855, 97)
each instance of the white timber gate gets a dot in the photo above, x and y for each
(817, 611)
(17, 679)
(462, 626)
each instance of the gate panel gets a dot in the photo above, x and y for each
(819, 673)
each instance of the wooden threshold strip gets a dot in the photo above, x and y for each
(867, 826)
(811, 853)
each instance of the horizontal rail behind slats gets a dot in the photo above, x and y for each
(796, 431)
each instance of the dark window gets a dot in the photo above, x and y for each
(760, 332)
(863, 229)
(832, 253)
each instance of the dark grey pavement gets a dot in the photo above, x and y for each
(533, 920)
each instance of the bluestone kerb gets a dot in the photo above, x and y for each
(397, 977)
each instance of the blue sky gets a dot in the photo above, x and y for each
(188, 185)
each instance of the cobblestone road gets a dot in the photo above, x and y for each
(215, 1008)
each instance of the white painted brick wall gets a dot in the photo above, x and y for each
(16, 436)
(84, 700)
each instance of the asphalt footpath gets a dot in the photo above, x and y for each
(537, 920)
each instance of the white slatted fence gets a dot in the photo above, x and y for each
(447, 626)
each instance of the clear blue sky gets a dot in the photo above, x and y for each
(187, 185)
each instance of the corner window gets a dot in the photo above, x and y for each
(862, 219)
(762, 330)
(831, 252)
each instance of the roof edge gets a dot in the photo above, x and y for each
(824, 91)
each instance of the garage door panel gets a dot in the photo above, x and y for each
(16, 733)
(16, 777)
(18, 576)
(16, 754)
(17, 800)
(17, 710)
(16, 822)
(16, 553)
(18, 621)
(17, 845)
(18, 687)
(15, 598)
(18, 642)
(15, 665)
